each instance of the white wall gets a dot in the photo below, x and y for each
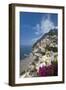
(4, 45)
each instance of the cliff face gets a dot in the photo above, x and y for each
(44, 53)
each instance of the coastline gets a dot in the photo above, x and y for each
(24, 64)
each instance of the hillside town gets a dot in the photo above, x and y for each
(44, 56)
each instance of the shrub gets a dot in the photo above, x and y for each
(51, 70)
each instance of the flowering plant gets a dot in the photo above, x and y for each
(51, 70)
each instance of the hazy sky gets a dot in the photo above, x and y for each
(34, 25)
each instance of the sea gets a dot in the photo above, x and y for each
(25, 51)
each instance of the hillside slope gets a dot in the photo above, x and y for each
(44, 54)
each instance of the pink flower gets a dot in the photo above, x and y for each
(50, 70)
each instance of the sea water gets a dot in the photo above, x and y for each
(25, 51)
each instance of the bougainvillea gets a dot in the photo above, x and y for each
(51, 70)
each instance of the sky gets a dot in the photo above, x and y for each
(34, 25)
